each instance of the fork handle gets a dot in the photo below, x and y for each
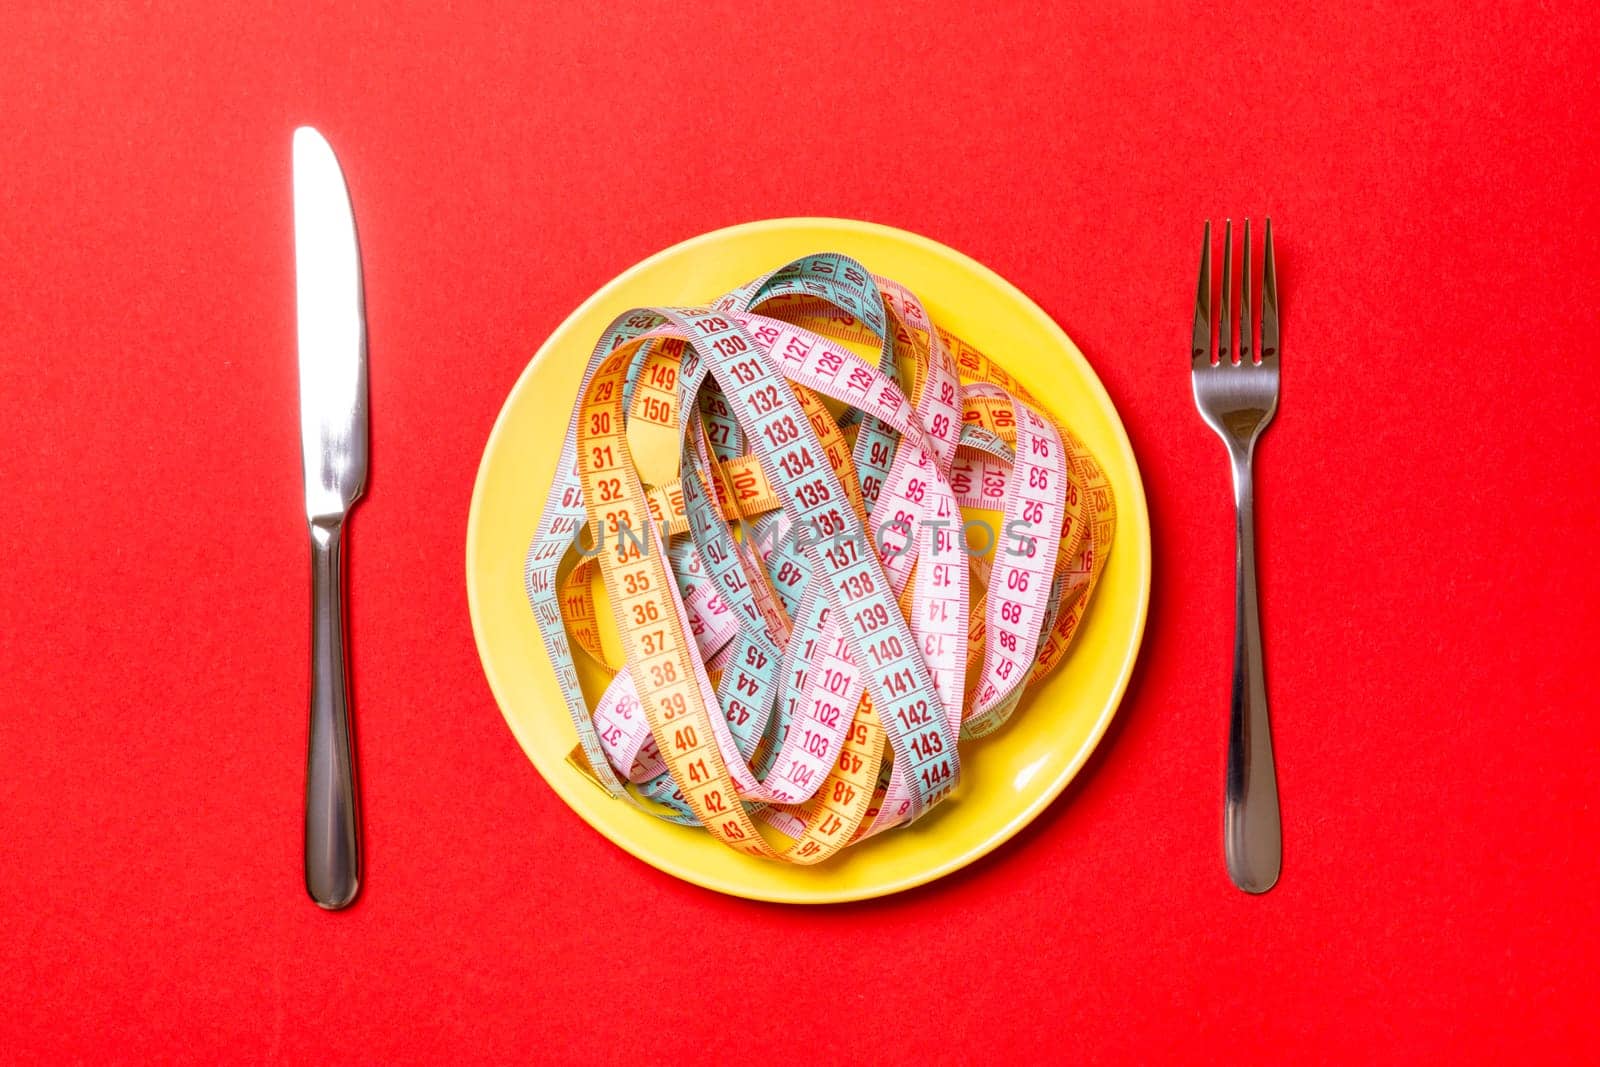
(1252, 832)
(333, 840)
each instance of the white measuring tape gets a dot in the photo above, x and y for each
(809, 623)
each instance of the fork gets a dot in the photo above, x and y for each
(1238, 400)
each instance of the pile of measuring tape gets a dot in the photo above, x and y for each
(808, 622)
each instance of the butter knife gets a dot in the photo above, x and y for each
(333, 440)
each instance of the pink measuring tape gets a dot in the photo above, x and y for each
(857, 563)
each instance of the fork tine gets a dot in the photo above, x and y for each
(1225, 321)
(1269, 302)
(1247, 324)
(1202, 305)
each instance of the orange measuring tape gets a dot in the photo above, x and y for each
(827, 569)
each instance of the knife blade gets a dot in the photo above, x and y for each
(333, 439)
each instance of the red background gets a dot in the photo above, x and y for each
(1427, 501)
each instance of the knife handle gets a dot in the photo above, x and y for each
(333, 834)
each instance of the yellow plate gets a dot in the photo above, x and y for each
(1008, 777)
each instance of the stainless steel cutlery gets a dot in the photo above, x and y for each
(1237, 396)
(333, 439)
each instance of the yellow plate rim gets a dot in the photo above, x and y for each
(1133, 536)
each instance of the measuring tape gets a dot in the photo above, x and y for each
(808, 621)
